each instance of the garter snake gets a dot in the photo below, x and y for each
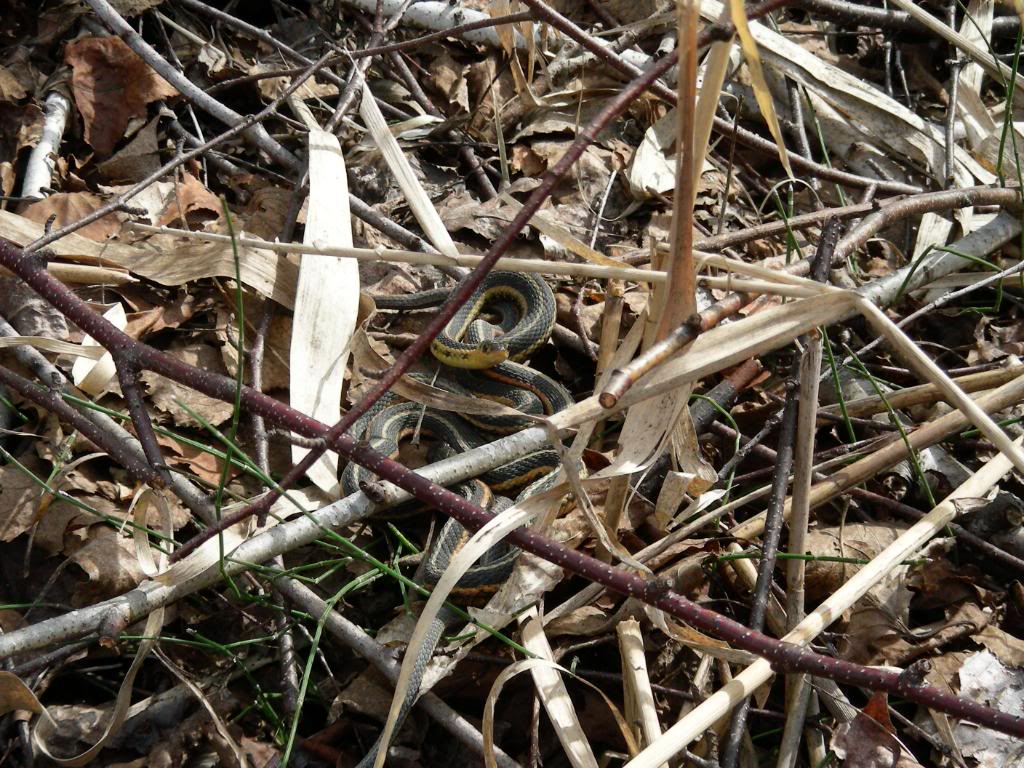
(524, 302)
(480, 363)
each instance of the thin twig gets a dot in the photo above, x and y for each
(462, 293)
(253, 131)
(239, 126)
(782, 656)
(769, 550)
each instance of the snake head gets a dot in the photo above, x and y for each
(491, 350)
(486, 354)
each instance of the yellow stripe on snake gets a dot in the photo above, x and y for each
(479, 362)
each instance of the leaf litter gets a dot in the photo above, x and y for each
(438, 147)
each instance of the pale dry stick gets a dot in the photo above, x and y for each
(611, 323)
(636, 682)
(744, 684)
(239, 126)
(983, 282)
(681, 283)
(256, 133)
(511, 264)
(571, 269)
(42, 161)
(351, 636)
(950, 199)
(895, 451)
(922, 394)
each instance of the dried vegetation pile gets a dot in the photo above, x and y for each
(784, 244)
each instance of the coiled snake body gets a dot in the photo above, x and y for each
(481, 363)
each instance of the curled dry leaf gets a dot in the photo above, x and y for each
(868, 742)
(68, 207)
(18, 496)
(108, 560)
(177, 400)
(111, 85)
(190, 196)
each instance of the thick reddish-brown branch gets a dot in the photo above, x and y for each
(587, 136)
(783, 656)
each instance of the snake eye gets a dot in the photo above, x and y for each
(490, 346)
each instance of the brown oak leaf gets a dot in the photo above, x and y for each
(111, 85)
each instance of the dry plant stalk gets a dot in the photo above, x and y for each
(741, 686)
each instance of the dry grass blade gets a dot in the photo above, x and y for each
(760, 85)
(741, 686)
(53, 345)
(554, 696)
(636, 683)
(422, 207)
(533, 665)
(462, 561)
(93, 376)
(649, 426)
(326, 302)
(47, 729)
